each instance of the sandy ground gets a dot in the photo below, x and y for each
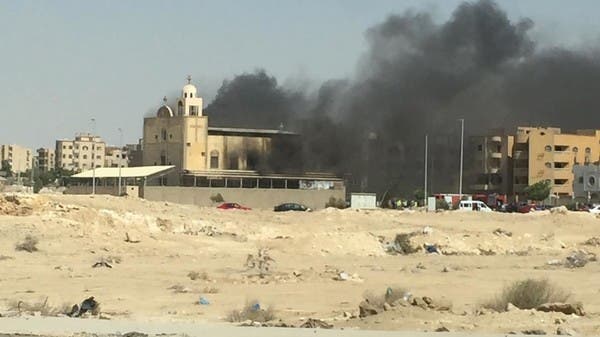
(309, 250)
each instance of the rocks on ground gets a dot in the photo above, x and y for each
(565, 308)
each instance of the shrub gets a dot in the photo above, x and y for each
(194, 275)
(527, 294)
(28, 245)
(40, 306)
(336, 203)
(216, 198)
(253, 312)
(441, 204)
(402, 245)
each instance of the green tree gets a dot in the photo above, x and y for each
(538, 191)
(419, 195)
(7, 167)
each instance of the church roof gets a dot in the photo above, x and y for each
(248, 132)
(126, 172)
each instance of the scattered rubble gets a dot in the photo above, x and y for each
(559, 210)
(565, 331)
(593, 241)
(88, 305)
(312, 323)
(565, 308)
(579, 258)
(502, 232)
(130, 239)
(366, 309)
(402, 245)
(11, 204)
(533, 332)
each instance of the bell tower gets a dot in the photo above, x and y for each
(189, 104)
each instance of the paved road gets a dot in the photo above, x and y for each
(66, 326)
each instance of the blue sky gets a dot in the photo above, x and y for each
(65, 62)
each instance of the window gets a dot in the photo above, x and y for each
(70, 156)
(76, 147)
(588, 150)
(580, 180)
(156, 137)
(214, 159)
(548, 148)
(185, 95)
(171, 136)
(97, 157)
(575, 149)
(193, 110)
(99, 148)
(180, 108)
(64, 156)
(191, 94)
(85, 156)
(592, 181)
(85, 148)
(64, 147)
(480, 147)
(548, 164)
(70, 147)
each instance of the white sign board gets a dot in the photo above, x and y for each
(363, 200)
(431, 204)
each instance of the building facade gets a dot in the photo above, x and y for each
(80, 154)
(507, 164)
(116, 156)
(20, 158)
(184, 139)
(46, 160)
(492, 166)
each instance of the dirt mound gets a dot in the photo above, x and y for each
(13, 204)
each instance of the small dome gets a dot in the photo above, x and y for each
(164, 111)
(189, 90)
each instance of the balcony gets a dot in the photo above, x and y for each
(496, 139)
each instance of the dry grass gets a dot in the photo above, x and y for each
(527, 294)
(251, 311)
(210, 290)
(28, 245)
(194, 275)
(391, 295)
(42, 306)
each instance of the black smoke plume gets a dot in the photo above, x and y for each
(419, 77)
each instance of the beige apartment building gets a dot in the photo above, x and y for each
(492, 165)
(83, 153)
(116, 156)
(20, 158)
(46, 160)
(507, 164)
(545, 153)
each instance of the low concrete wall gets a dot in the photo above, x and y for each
(251, 197)
(112, 190)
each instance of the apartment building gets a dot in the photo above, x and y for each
(116, 156)
(46, 160)
(82, 153)
(547, 154)
(20, 158)
(491, 163)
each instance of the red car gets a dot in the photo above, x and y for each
(233, 205)
(525, 208)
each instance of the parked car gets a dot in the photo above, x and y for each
(291, 206)
(473, 206)
(595, 209)
(524, 207)
(233, 205)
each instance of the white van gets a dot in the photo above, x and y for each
(473, 206)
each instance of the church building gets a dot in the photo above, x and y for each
(181, 136)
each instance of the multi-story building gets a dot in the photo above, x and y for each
(507, 164)
(20, 158)
(135, 153)
(547, 154)
(82, 153)
(492, 167)
(115, 156)
(46, 159)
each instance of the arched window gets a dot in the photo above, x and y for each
(548, 148)
(214, 159)
(185, 95)
(588, 150)
(180, 108)
(163, 134)
(575, 149)
(191, 94)
(548, 164)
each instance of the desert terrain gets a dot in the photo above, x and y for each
(324, 263)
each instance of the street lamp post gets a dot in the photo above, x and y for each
(425, 183)
(119, 162)
(93, 156)
(460, 176)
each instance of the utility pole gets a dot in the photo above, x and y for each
(121, 157)
(32, 168)
(425, 184)
(93, 156)
(462, 136)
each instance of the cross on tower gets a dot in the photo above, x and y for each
(196, 127)
(189, 78)
(165, 100)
